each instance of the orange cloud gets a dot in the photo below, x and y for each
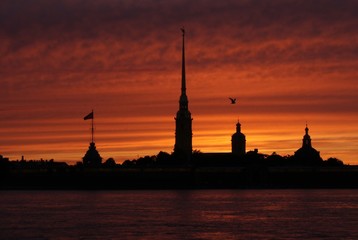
(286, 62)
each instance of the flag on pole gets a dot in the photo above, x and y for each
(89, 116)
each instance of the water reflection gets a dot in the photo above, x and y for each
(211, 214)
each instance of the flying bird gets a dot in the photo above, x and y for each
(233, 100)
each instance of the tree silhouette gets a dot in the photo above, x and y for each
(109, 163)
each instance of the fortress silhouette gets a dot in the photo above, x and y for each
(184, 168)
(183, 150)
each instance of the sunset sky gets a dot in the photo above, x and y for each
(287, 62)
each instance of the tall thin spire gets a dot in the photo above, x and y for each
(183, 129)
(183, 80)
(183, 101)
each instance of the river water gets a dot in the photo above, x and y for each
(179, 214)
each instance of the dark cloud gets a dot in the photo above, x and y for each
(123, 57)
(90, 19)
(142, 23)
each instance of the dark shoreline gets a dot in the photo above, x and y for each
(180, 178)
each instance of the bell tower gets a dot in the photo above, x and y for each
(238, 141)
(183, 120)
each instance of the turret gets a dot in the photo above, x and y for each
(238, 141)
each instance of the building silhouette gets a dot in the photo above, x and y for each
(183, 120)
(92, 157)
(307, 154)
(238, 141)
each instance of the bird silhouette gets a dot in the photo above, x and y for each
(233, 100)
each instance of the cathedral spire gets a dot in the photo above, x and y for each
(183, 80)
(183, 101)
(183, 129)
